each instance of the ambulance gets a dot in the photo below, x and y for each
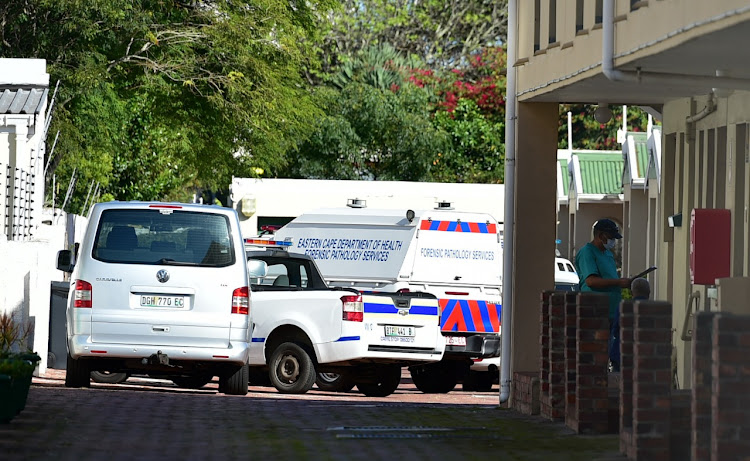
(454, 255)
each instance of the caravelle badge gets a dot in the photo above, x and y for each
(162, 276)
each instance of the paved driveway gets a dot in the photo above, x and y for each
(152, 420)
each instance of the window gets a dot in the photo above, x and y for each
(552, 21)
(537, 26)
(598, 12)
(579, 15)
(152, 237)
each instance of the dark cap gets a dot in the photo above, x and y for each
(608, 226)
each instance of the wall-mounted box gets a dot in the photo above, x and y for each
(710, 245)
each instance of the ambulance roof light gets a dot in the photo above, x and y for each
(443, 205)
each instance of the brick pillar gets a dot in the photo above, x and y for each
(652, 379)
(702, 348)
(591, 414)
(679, 425)
(730, 401)
(554, 407)
(571, 306)
(626, 377)
(544, 351)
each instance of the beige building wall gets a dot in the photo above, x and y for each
(704, 164)
(535, 205)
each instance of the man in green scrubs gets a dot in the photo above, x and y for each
(597, 271)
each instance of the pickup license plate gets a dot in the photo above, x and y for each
(394, 330)
(163, 301)
(455, 341)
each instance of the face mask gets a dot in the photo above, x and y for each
(610, 245)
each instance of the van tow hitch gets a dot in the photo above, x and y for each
(157, 359)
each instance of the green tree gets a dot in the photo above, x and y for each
(156, 95)
(443, 33)
(590, 134)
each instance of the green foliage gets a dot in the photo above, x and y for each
(478, 152)
(443, 33)
(371, 133)
(156, 96)
(590, 134)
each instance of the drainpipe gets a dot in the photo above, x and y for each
(638, 76)
(509, 221)
(690, 120)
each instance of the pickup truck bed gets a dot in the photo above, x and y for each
(303, 327)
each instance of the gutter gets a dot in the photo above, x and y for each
(639, 76)
(509, 220)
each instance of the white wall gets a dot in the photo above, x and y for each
(29, 268)
(292, 197)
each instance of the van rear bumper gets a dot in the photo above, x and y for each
(477, 346)
(81, 346)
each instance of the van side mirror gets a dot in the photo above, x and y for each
(65, 261)
(257, 268)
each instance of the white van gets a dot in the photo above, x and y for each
(162, 289)
(566, 277)
(455, 256)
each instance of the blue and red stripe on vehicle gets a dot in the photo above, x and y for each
(384, 308)
(459, 226)
(470, 315)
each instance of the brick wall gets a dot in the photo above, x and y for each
(592, 333)
(526, 392)
(627, 322)
(552, 402)
(730, 383)
(702, 348)
(571, 316)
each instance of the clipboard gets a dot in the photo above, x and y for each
(647, 271)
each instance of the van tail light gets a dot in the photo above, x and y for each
(241, 301)
(82, 294)
(353, 308)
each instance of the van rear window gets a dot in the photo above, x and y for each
(176, 237)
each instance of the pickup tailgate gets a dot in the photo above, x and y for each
(403, 322)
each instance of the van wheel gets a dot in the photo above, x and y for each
(387, 381)
(77, 373)
(192, 382)
(109, 377)
(334, 382)
(291, 369)
(236, 383)
(434, 378)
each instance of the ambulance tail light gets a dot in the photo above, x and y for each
(82, 295)
(403, 290)
(353, 308)
(241, 301)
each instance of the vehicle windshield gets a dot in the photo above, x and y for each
(174, 237)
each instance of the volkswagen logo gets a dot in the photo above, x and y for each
(162, 276)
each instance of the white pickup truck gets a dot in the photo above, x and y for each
(304, 330)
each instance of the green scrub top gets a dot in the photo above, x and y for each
(590, 260)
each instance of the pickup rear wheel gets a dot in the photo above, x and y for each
(386, 383)
(77, 373)
(434, 378)
(291, 369)
(109, 377)
(334, 382)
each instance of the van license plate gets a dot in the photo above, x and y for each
(163, 301)
(455, 341)
(393, 330)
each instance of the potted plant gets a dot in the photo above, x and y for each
(17, 364)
